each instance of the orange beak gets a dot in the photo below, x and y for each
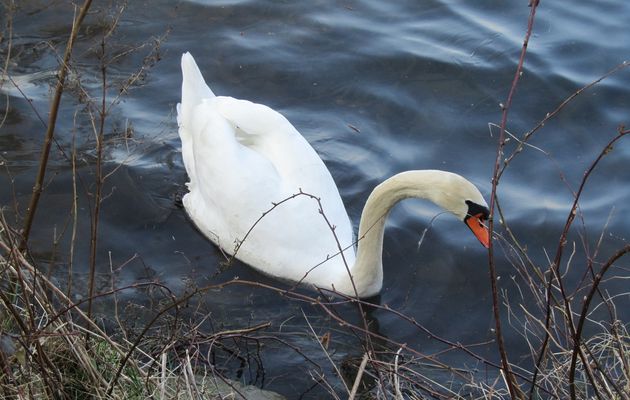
(479, 229)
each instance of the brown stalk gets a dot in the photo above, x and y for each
(99, 133)
(555, 275)
(513, 387)
(577, 331)
(22, 264)
(528, 135)
(50, 130)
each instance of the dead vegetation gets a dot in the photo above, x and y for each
(54, 345)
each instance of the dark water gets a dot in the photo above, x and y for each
(376, 88)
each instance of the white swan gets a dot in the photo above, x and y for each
(243, 157)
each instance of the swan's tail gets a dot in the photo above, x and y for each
(194, 90)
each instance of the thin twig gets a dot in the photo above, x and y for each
(99, 134)
(528, 135)
(515, 391)
(52, 120)
(357, 379)
(555, 275)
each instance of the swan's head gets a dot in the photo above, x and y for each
(475, 219)
(453, 193)
(450, 191)
(463, 199)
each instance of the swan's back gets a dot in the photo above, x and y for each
(242, 158)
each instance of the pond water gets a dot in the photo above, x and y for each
(376, 88)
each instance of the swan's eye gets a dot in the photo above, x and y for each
(477, 211)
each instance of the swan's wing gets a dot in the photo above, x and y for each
(296, 230)
(220, 160)
(254, 152)
(254, 119)
(271, 135)
(244, 157)
(230, 184)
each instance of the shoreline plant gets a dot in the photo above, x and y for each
(55, 343)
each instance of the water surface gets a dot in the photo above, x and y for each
(376, 88)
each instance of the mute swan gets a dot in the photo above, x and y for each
(242, 157)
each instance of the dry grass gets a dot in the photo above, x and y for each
(50, 349)
(54, 345)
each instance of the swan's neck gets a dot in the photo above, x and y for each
(433, 185)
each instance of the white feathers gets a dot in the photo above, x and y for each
(242, 158)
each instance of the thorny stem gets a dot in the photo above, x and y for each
(515, 392)
(30, 285)
(576, 332)
(50, 130)
(583, 314)
(554, 268)
(331, 227)
(99, 180)
(527, 136)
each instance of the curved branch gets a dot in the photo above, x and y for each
(515, 392)
(587, 302)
